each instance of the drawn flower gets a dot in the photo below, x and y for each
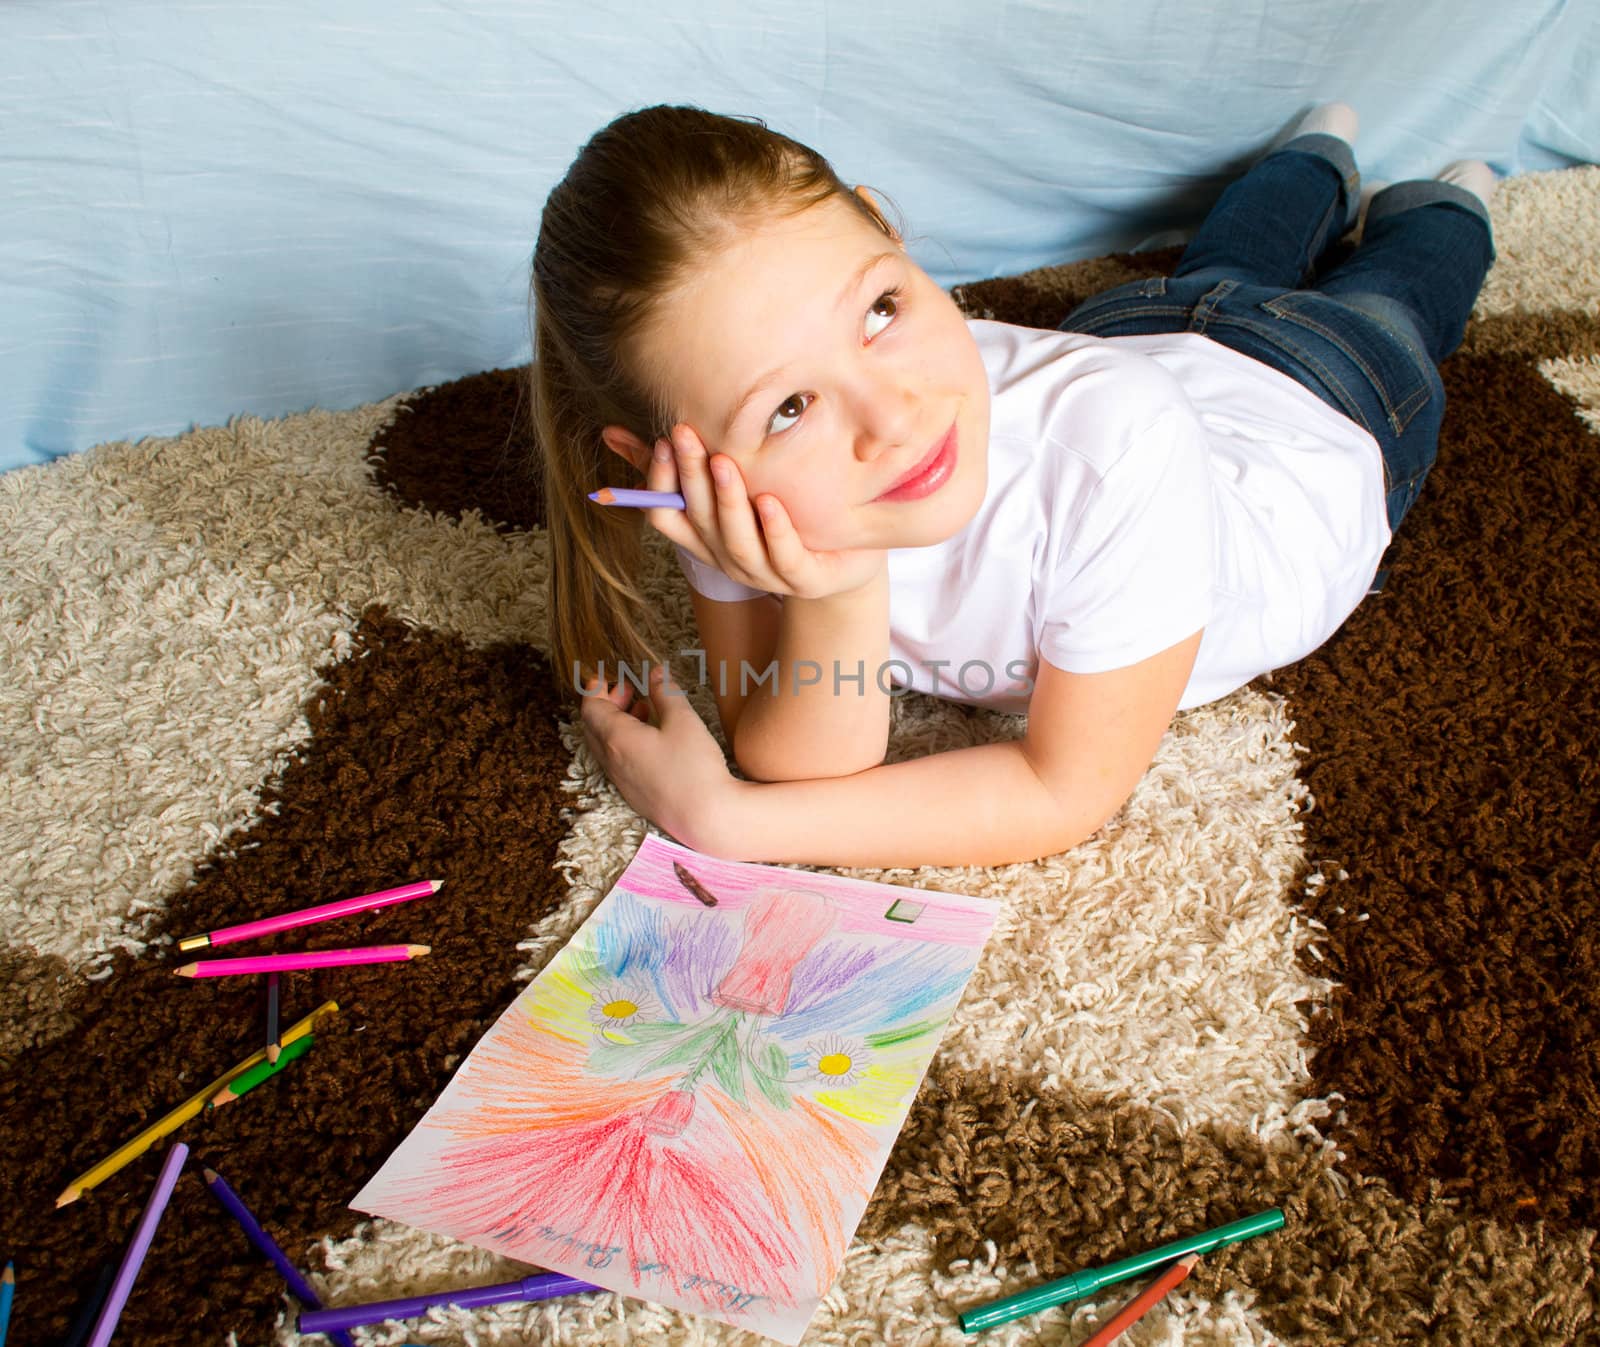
(616, 1007)
(837, 1061)
(780, 927)
(670, 1114)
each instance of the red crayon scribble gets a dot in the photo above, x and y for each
(577, 1155)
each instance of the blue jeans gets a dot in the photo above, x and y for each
(1367, 333)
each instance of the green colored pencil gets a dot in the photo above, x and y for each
(246, 1081)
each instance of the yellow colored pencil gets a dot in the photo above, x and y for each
(137, 1146)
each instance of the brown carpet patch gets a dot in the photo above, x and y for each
(428, 760)
(34, 997)
(1068, 1181)
(1533, 336)
(1453, 726)
(463, 446)
(1042, 298)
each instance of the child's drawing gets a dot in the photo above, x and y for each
(693, 1101)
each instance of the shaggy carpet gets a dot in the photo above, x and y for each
(1340, 952)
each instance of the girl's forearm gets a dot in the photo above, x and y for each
(820, 711)
(973, 806)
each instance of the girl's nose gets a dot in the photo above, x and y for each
(888, 418)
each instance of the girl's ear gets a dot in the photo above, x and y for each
(629, 446)
(865, 193)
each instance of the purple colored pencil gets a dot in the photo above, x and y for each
(299, 1287)
(642, 500)
(133, 1258)
(541, 1286)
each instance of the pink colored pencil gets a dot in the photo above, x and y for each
(343, 907)
(290, 963)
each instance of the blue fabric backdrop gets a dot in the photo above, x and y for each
(208, 209)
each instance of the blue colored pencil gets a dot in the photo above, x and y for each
(299, 1287)
(8, 1288)
(88, 1309)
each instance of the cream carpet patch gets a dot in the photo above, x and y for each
(145, 689)
(1579, 379)
(294, 500)
(1547, 244)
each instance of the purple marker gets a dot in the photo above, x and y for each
(299, 1287)
(133, 1258)
(541, 1286)
(641, 500)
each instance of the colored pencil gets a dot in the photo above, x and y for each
(343, 907)
(133, 1257)
(640, 500)
(88, 1308)
(1141, 1304)
(1087, 1282)
(274, 1048)
(290, 963)
(299, 1287)
(687, 879)
(246, 1081)
(170, 1122)
(8, 1289)
(541, 1286)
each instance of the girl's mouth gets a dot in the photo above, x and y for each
(930, 474)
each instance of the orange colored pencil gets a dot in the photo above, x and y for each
(1141, 1304)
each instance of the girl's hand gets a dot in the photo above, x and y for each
(671, 772)
(753, 542)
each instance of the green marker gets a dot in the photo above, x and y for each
(1081, 1284)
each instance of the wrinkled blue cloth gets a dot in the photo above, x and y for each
(211, 209)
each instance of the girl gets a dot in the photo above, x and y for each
(1189, 484)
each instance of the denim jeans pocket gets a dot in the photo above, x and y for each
(1131, 300)
(1341, 341)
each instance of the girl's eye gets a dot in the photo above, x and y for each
(892, 298)
(796, 400)
(800, 401)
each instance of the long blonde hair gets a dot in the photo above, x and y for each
(647, 197)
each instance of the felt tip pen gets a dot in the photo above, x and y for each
(640, 500)
(1086, 1283)
(540, 1286)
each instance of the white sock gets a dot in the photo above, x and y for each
(1330, 119)
(1473, 174)
(1369, 189)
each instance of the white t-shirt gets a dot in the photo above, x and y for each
(1139, 488)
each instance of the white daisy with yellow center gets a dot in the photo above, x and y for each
(616, 1007)
(836, 1061)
